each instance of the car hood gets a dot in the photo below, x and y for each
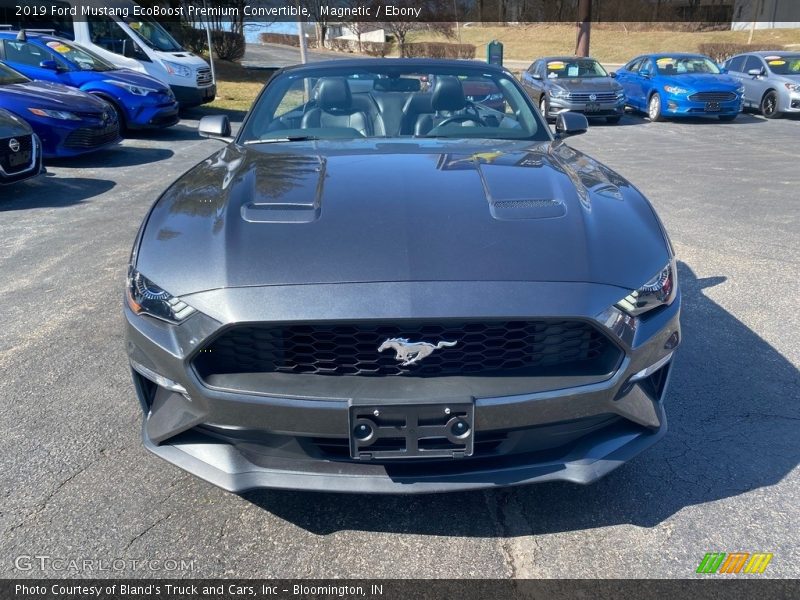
(135, 78)
(586, 84)
(41, 94)
(11, 125)
(701, 81)
(328, 212)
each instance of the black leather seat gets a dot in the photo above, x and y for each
(334, 108)
(446, 99)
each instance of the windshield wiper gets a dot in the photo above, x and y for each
(291, 138)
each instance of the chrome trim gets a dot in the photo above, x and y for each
(645, 373)
(34, 159)
(159, 380)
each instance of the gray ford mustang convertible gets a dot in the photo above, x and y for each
(379, 285)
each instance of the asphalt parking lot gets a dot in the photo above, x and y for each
(77, 483)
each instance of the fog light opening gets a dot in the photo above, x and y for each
(159, 380)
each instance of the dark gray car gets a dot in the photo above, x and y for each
(20, 150)
(771, 81)
(398, 289)
(569, 83)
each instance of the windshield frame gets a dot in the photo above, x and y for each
(397, 67)
(147, 41)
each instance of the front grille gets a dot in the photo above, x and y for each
(88, 137)
(523, 348)
(603, 97)
(712, 97)
(6, 154)
(203, 76)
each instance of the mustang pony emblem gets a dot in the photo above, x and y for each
(412, 352)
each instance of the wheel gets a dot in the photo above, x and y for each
(120, 116)
(543, 107)
(613, 120)
(654, 108)
(769, 105)
(727, 117)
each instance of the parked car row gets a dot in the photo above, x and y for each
(61, 100)
(667, 85)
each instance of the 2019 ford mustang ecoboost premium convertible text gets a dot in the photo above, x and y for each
(378, 285)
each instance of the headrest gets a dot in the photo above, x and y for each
(448, 94)
(333, 93)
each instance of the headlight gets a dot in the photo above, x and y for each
(145, 297)
(176, 69)
(659, 291)
(559, 93)
(55, 114)
(740, 89)
(620, 94)
(673, 89)
(792, 87)
(136, 90)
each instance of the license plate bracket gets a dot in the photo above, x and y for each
(424, 430)
(712, 107)
(592, 107)
(19, 158)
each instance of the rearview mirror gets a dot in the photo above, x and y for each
(50, 65)
(215, 127)
(570, 123)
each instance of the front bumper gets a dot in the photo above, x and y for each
(242, 438)
(194, 96)
(606, 109)
(153, 116)
(677, 106)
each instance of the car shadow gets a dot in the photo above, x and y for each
(49, 191)
(733, 420)
(116, 156)
(744, 118)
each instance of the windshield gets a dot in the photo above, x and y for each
(86, 60)
(153, 34)
(784, 65)
(574, 68)
(686, 65)
(9, 76)
(392, 101)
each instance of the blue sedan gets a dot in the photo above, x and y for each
(680, 85)
(139, 100)
(68, 121)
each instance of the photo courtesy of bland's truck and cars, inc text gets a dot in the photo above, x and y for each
(363, 299)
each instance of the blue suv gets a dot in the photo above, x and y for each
(139, 100)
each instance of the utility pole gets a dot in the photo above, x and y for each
(584, 26)
(301, 34)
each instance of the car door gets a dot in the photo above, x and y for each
(530, 82)
(27, 58)
(628, 78)
(648, 76)
(754, 85)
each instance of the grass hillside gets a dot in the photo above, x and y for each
(610, 43)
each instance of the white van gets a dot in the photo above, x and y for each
(125, 39)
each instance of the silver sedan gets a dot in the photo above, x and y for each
(771, 81)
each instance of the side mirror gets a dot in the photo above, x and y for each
(756, 72)
(723, 70)
(570, 123)
(215, 127)
(537, 76)
(613, 74)
(645, 73)
(50, 65)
